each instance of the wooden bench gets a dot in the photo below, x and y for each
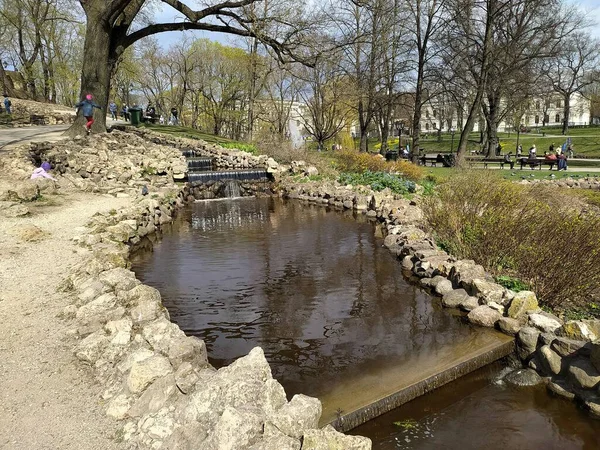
(487, 161)
(537, 162)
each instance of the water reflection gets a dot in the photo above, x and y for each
(314, 288)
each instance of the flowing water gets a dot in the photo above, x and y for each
(479, 411)
(316, 290)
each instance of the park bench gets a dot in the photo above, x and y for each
(537, 162)
(434, 160)
(486, 161)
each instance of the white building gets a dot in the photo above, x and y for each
(540, 112)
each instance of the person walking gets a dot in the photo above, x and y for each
(112, 107)
(7, 104)
(174, 114)
(87, 109)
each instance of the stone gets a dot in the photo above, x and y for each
(190, 436)
(570, 347)
(487, 291)
(595, 354)
(527, 342)
(160, 333)
(154, 397)
(497, 306)
(90, 349)
(146, 310)
(187, 349)
(136, 356)
(581, 330)
(484, 316)
(118, 406)
(544, 323)
(465, 271)
(551, 361)
(280, 442)
(523, 377)
(509, 326)
(437, 280)
(235, 429)
(469, 304)
(301, 414)
(583, 374)
(407, 263)
(120, 279)
(25, 191)
(186, 377)
(524, 301)
(454, 298)
(145, 372)
(560, 389)
(141, 291)
(14, 211)
(443, 287)
(328, 438)
(594, 408)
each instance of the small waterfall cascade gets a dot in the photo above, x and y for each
(223, 175)
(231, 189)
(200, 164)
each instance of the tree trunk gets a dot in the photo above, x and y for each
(98, 65)
(567, 113)
(6, 82)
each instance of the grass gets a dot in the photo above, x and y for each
(189, 133)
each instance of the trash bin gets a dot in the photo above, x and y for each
(135, 116)
(391, 155)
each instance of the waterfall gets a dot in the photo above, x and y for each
(231, 189)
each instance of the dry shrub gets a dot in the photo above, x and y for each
(354, 161)
(284, 152)
(522, 231)
(409, 170)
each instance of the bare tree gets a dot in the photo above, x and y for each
(573, 70)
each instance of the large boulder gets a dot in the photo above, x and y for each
(298, 416)
(442, 287)
(145, 372)
(583, 374)
(570, 347)
(544, 322)
(328, 438)
(464, 272)
(484, 316)
(551, 361)
(527, 340)
(90, 349)
(581, 330)
(455, 298)
(487, 291)
(524, 301)
(25, 191)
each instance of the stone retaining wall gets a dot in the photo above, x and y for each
(565, 354)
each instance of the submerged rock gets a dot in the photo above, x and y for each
(523, 377)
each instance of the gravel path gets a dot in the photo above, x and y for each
(48, 400)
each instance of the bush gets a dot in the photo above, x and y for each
(353, 161)
(378, 181)
(524, 232)
(408, 170)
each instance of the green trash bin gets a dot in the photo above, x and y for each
(135, 116)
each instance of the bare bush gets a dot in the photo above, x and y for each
(523, 231)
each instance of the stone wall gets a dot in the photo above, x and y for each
(217, 189)
(572, 182)
(156, 380)
(564, 355)
(27, 112)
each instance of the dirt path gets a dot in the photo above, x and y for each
(47, 399)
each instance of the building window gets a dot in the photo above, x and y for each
(537, 119)
(537, 105)
(546, 118)
(558, 104)
(427, 114)
(557, 118)
(434, 113)
(427, 126)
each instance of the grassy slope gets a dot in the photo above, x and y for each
(189, 133)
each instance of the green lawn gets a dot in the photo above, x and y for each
(443, 173)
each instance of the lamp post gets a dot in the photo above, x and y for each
(399, 126)
(452, 130)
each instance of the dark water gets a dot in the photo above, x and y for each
(479, 411)
(329, 306)
(314, 288)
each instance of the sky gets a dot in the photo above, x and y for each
(166, 14)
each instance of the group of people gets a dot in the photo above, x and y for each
(556, 154)
(87, 105)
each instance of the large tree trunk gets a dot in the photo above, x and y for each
(567, 113)
(98, 65)
(6, 82)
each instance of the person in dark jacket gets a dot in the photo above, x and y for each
(87, 108)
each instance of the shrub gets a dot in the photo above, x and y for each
(408, 170)
(519, 231)
(353, 161)
(378, 181)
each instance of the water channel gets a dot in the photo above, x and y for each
(318, 292)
